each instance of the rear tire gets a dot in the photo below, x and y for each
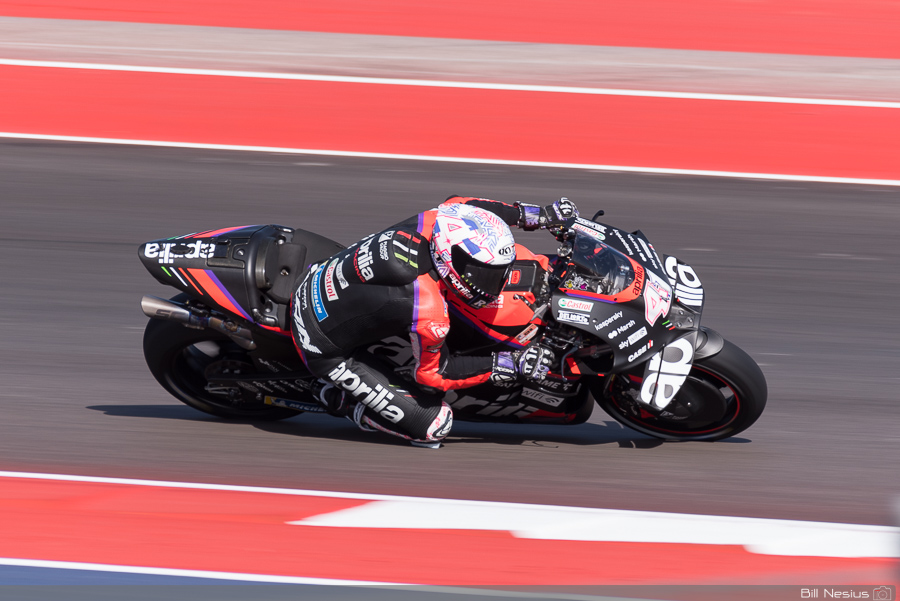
(178, 356)
(723, 395)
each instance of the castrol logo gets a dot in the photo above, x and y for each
(575, 305)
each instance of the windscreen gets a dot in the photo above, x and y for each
(599, 268)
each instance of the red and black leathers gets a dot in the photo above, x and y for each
(386, 285)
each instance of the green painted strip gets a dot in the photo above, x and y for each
(166, 270)
(402, 258)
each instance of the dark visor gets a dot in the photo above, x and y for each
(485, 278)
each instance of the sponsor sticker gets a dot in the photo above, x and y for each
(615, 316)
(623, 328)
(363, 260)
(318, 304)
(640, 351)
(378, 399)
(573, 317)
(588, 231)
(167, 252)
(624, 242)
(575, 305)
(637, 335)
(688, 289)
(339, 272)
(440, 330)
(542, 397)
(495, 304)
(526, 334)
(297, 405)
(330, 290)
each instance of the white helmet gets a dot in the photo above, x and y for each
(473, 250)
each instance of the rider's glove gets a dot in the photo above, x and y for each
(531, 364)
(556, 215)
(532, 217)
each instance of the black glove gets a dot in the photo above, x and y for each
(532, 217)
(531, 363)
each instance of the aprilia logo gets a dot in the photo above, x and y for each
(377, 399)
(364, 260)
(167, 252)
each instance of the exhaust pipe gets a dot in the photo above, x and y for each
(159, 308)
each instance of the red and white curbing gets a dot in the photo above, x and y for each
(321, 537)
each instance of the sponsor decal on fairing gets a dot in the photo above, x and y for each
(633, 338)
(688, 290)
(637, 335)
(542, 397)
(167, 252)
(623, 328)
(638, 353)
(624, 242)
(527, 334)
(667, 371)
(615, 316)
(573, 317)
(588, 231)
(575, 305)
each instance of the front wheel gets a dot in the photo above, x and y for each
(722, 396)
(181, 358)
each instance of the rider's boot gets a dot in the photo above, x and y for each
(331, 398)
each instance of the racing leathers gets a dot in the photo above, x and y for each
(387, 285)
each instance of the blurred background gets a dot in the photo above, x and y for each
(756, 141)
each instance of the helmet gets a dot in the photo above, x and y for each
(473, 251)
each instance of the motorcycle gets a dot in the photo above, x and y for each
(623, 321)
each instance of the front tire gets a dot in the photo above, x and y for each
(722, 396)
(178, 358)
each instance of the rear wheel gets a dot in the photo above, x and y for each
(722, 396)
(182, 359)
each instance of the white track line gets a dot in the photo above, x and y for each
(758, 535)
(478, 161)
(102, 567)
(430, 83)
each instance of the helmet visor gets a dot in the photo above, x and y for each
(484, 278)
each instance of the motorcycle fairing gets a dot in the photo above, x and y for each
(635, 321)
(248, 271)
(634, 245)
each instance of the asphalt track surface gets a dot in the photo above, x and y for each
(803, 276)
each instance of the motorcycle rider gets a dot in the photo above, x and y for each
(394, 283)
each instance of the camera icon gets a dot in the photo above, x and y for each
(883, 593)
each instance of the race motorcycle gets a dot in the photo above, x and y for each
(623, 321)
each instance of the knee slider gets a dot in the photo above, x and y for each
(440, 427)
